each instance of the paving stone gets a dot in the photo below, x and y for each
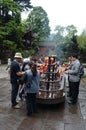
(82, 95)
(59, 117)
(74, 127)
(83, 109)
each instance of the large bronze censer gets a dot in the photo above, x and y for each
(50, 91)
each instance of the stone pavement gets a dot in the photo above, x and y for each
(57, 117)
(3, 72)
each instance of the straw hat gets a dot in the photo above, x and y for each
(18, 55)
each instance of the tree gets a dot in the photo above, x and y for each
(10, 28)
(23, 4)
(82, 46)
(70, 31)
(84, 32)
(71, 44)
(9, 11)
(59, 39)
(66, 40)
(38, 21)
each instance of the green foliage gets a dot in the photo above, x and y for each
(23, 4)
(59, 34)
(71, 30)
(15, 31)
(11, 29)
(82, 41)
(28, 53)
(8, 11)
(66, 41)
(83, 32)
(2, 32)
(39, 23)
(11, 45)
(82, 46)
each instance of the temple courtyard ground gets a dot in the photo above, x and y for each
(51, 117)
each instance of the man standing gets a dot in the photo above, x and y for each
(15, 72)
(8, 63)
(74, 79)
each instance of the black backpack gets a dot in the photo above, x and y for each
(81, 71)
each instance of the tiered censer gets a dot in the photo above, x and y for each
(50, 92)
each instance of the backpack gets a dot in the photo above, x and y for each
(81, 71)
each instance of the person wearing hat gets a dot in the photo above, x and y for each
(15, 73)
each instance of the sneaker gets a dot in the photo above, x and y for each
(71, 102)
(16, 107)
(17, 102)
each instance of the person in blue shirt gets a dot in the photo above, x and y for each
(32, 80)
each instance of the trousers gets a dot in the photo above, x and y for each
(74, 90)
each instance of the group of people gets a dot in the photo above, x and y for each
(30, 78)
(73, 72)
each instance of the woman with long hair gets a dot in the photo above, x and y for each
(32, 79)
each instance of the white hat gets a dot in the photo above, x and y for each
(26, 60)
(18, 55)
